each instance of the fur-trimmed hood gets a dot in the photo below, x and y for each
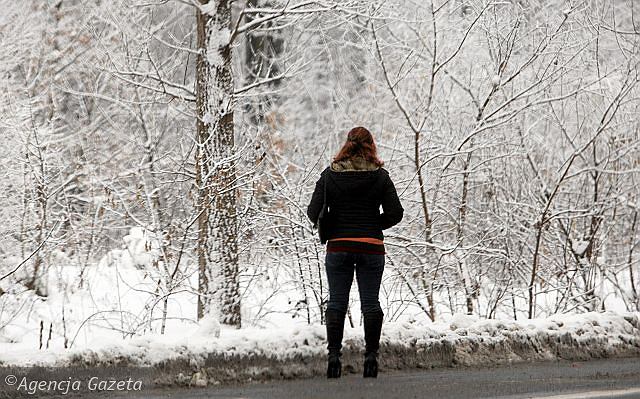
(353, 164)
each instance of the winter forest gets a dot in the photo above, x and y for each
(157, 158)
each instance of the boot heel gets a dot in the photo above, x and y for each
(334, 368)
(370, 367)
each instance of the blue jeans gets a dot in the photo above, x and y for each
(368, 269)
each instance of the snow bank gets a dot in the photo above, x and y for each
(125, 311)
(125, 294)
(253, 353)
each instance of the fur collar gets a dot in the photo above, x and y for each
(356, 163)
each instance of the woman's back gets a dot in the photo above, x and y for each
(355, 191)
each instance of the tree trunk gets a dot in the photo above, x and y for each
(261, 51)
(462, 217)
(215, 167)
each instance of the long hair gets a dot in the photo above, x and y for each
(359, 143)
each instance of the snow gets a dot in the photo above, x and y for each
(217, 40)
(580, 246)
(112, 313)
(208, 326)
(120, 296)
(141, 248)
(288, 342)
(209, 8)
(462, 321)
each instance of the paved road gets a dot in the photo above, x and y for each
(617, 378)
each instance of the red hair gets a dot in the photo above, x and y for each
(359, 143)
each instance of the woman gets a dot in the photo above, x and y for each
(357, 186)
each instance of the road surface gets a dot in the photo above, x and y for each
(611, 378)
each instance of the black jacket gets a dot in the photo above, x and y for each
(354, 199)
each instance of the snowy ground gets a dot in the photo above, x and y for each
(276, 353)
(115, 314)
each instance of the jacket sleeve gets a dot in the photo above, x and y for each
(317, 200)
(392, 210)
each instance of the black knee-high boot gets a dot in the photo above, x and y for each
(372, 331)
(335, 329)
